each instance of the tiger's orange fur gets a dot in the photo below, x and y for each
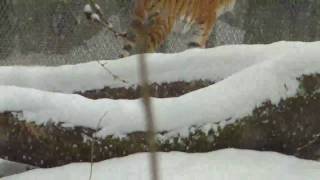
(153, 20)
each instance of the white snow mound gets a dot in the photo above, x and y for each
(206, 64)
(229, 164)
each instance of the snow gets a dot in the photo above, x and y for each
(211, 64)
(87, 8)
(273, 78)
(9, 168)
(229, 164)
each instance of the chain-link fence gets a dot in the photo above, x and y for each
(54, 32)
(7, 29)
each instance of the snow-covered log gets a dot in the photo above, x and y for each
(290, 127)
(270, 105)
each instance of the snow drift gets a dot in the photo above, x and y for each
(227, 164)
(210, 64)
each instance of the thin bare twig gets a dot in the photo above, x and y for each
(115, 77)
(315, 138)
(95, 9)
(93, 141)
(100, 18)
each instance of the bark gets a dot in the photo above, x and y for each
(291, 127)
(163, 90)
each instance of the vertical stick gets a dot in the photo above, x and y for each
(150, 125)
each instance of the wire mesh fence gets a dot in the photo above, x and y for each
(52, 32)
(55, 32)
(7, 29)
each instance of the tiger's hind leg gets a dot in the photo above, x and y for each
(202, 33)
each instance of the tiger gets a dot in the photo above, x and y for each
(153, 20)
